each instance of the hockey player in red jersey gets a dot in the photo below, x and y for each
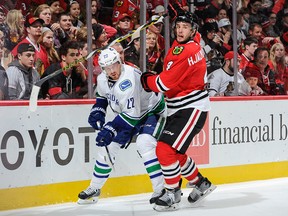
(182, 81)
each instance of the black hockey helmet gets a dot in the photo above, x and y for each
(188, 18)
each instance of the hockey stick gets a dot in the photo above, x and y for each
(37, 85)
(109, 161)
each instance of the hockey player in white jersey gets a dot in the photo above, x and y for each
(136, 112)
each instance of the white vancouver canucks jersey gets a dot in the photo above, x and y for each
(126, 96)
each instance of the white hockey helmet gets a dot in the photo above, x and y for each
(108, 57)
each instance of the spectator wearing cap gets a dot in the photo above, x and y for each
(123, 26)
(250, 86)
(100, 40)
(34, 26)
(21, 73)
(157, 29)
(266, 77)
(221, 81)
(99, 35)
(250, 45)
(225, 33)
(159, 10)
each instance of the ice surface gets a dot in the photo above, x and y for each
(257, 198)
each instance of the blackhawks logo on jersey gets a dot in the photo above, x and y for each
(119, 3)
(177, 50)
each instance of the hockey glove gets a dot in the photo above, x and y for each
(97, 117)
(144, 81)
(106, 135)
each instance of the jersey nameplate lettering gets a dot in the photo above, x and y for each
(125, 85)
(177, 50)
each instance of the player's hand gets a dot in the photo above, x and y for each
(97, 117)
(144, 81)
(106, 135)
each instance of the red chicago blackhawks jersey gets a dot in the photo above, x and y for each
(183, 78)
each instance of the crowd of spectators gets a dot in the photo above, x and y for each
(38, 37)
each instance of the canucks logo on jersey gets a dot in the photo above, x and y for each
(125, 85)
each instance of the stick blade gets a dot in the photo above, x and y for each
(34, 98)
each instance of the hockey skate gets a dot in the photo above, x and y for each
(89, 196)
(156, 196)
(169, 201)
(202, 189)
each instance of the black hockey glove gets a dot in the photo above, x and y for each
(144, 78)
(106, 135)
(97, 117)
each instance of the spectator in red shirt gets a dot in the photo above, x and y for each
(277, 62)
(266, 77)
(250, 45)
(34, 27)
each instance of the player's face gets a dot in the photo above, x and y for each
(183, 31)
(113, 71)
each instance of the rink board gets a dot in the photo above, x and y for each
(47, 157)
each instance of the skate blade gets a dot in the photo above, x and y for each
(197, 202)
(173, 207)
(88, 201)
